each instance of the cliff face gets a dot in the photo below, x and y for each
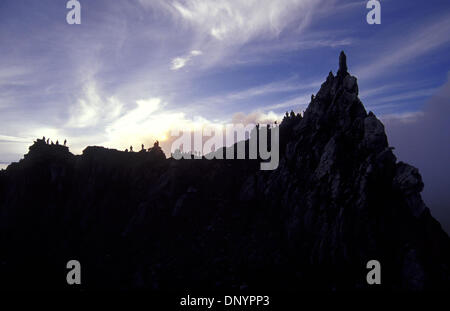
(338, 199)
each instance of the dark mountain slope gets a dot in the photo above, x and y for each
(338, 199)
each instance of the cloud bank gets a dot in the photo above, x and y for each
(423, 141)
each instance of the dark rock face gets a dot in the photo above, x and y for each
(338, 199)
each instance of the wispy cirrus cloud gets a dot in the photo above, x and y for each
(402, 96)
(419, 41)
(237, 21)
(219, 28)
(299, 102)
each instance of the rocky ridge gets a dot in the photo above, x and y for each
(338, 199)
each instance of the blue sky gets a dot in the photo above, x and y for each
(134, 69)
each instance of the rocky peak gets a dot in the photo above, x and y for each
(338, 199)
(336, 105)
(343, 151)
(342, 64)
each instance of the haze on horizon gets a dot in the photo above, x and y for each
(134, 69)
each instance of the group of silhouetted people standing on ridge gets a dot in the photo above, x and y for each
(155, 145)
(48, 142)
(292, 115)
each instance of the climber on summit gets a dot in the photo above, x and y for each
(65, 142)
(342, 65)
(131, 148)
(143, 149)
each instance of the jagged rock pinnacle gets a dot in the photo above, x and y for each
(342, 63)
(338, 198)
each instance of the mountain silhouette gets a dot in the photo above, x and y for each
(138, 220)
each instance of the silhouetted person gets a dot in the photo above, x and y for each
(57, 143)
(143, 147)
(48, 139)
(156, 144)
(342, 64)
(126, 150)
(43, 139)
(52, 142)
(131, 148)
(65, 142)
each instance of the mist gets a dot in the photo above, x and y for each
(424, 143)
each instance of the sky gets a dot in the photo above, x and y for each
(133, 70)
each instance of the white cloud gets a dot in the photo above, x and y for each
(256, 117)
(196, 53)
(135, 117)
(148, 122)
(92, 109)
(180, 62)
